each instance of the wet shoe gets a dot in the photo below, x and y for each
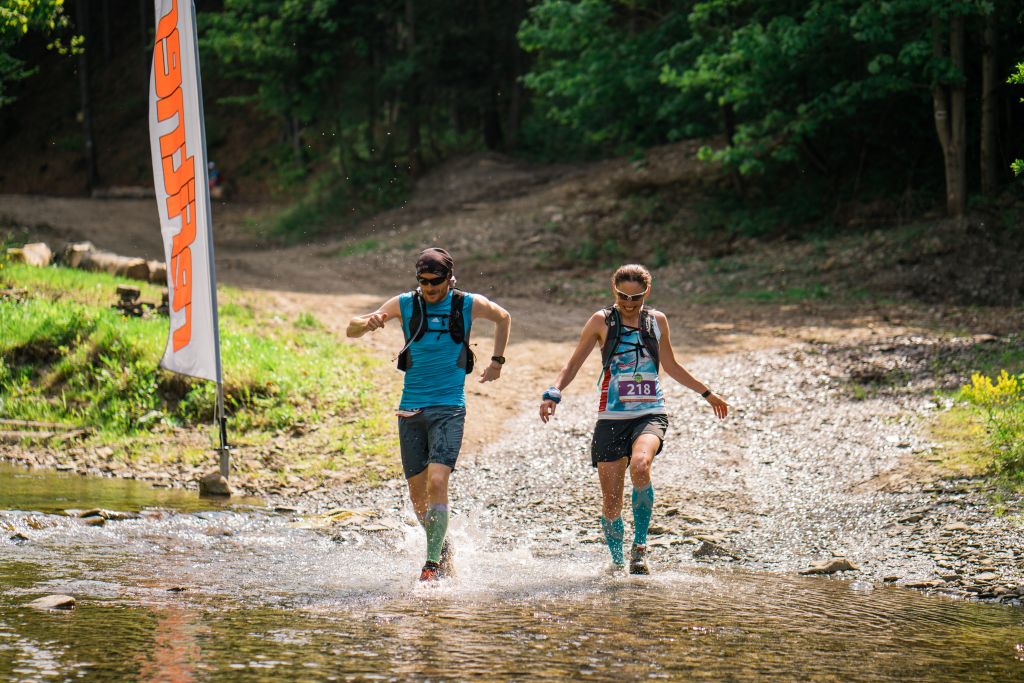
(431, 572)
(447, 564)
(615, 569)
(638, 560)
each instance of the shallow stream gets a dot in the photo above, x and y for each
(193, 590)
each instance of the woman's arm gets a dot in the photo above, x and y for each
(680, 374)
(590, 337)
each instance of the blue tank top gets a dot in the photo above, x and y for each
(434, 377)
(630, 386)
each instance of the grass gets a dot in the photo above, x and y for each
(66, 356)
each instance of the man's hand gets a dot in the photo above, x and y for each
(375, 321)
(720, 407)
(490, 373)
(547, 410)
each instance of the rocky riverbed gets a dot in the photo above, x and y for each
(806, 469)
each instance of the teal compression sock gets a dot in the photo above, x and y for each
(614, 530)
(437, 527)
(643, 506)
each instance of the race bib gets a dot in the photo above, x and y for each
(638, 391)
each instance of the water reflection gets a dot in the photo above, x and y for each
(245, 595)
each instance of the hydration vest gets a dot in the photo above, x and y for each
(648, 336)
(456, 328)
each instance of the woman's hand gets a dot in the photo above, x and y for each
(720, 407)
(547, 410)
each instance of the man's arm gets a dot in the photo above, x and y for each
(488, 310)
(679, 373)
(361, 324)
(589, 338)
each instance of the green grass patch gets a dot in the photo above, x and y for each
(1000, 400)
(67, 356)
(366, 246)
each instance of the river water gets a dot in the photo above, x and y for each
(195, 590)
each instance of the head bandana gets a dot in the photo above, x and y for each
(436, 261)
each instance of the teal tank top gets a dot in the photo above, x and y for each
(434, 377)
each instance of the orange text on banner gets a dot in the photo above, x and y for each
(179, 180)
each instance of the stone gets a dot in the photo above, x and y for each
(35, 254)
(19, 538)
(53, 602)
(711, 549)
(926, 583)
(831, 566)
(957, 526)
(910, 519)
(657, 530)
(214, 484)
(986, 576)
(94, 521)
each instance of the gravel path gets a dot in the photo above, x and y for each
(800, 472)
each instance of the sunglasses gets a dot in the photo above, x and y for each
(630, 297)
(431, 281)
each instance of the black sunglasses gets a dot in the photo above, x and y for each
(433, 282)
(630, 297)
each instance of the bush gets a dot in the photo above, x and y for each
(1002, 401)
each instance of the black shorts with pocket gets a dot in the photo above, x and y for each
(613, 439)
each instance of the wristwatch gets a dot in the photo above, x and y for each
(500, 360)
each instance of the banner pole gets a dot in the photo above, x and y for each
(224, 451)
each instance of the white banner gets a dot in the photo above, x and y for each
(177, 139)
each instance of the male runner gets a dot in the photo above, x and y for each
(436, 319)
(631, 418)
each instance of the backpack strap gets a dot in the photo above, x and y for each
(459, 330)
(613, 323)
(417, 322)
(650, 335)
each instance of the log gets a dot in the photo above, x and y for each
(36, 254)
(108, 262)
(158, 272)
(74, 253)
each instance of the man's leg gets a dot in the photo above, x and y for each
(612, 476)
(436, 516)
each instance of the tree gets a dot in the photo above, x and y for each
(1018, 79)
(17, 19)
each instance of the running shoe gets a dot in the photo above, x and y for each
(447, 563)
(431, 572)
(638, 560)
(614, 569)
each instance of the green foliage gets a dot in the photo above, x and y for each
(1002, 401)
(17, 19)
(596, 74)
(1017, 78)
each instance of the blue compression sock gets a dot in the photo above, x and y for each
(643, 506)
(614, 530)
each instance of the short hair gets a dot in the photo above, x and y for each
(632, 272)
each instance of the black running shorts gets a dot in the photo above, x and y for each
(613, 439)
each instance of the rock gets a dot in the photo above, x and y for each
(657, 530)
(892, 578)
(926, 583)
(19, 538)
(986, 576)
(285, 509)
(836, 564)
(710, 549)
(94, 521)
(213, 484)
(34, 254)
(957, 526)
(53, 602)
(911, 519)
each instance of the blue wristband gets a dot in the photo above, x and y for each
(552, 394)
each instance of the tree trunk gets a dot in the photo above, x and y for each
(989, 108)
(147, 51)
(948, 103)
(91, 175)
(371, 105)
(106, 31)
(415, 158)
